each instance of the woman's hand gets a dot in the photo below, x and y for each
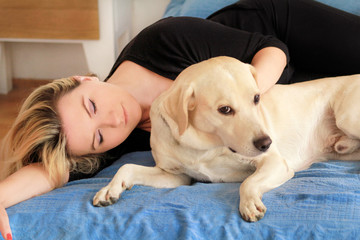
(30, 181)
(4, 224)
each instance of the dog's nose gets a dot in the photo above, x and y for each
(263, 143)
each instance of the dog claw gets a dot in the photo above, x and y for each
(113, 200)
(104, 203)
(253, 217)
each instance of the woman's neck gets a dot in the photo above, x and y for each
(143, 84)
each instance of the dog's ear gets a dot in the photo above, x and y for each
(252, 70)
(179, 105)
(186, 104)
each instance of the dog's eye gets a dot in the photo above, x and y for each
(257, 99)
(226, 110)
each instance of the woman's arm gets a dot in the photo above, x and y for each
(28, 182)
(269, 63)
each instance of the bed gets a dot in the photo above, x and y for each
(322, 202)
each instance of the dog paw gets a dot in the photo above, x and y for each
(252, 210)
(108, 195)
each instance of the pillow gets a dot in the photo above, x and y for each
(195, 8)
(351, 6)
(203, 8)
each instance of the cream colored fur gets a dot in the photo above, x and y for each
(195, 134)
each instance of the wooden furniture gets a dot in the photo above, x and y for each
(89, 22)
(55, 19)
(10, 103)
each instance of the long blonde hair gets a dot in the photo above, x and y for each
(37, 136)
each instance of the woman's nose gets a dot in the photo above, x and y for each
(112, 119)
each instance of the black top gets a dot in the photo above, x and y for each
(170, 45)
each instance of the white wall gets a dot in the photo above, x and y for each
(146, 12)
(56, 60)
(47, 60)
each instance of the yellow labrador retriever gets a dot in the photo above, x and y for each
(211, 125)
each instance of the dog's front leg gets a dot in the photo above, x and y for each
(271, 172)
(131, 174)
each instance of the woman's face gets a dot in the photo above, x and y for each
(97, 116)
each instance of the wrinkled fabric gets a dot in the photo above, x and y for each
(322, 202)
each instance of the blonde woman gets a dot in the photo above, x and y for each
(64, 128)
(33, 153)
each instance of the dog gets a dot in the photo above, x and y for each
(211, 125)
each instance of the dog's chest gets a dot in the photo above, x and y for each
(216, 165)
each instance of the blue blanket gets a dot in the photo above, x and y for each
(203, 8)
(322, 202)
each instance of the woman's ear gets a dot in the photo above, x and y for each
(86, 78)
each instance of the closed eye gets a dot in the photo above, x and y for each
(100, 137)
(92, 106)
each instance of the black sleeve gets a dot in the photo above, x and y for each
(172, 44)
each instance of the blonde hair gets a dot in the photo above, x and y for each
(37, 136)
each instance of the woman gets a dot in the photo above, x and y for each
(74, 121)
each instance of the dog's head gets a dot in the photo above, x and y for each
(216, 103)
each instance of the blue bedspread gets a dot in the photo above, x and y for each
(322, 202)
